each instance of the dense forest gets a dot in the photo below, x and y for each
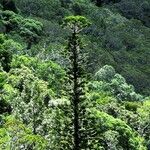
(74, 75)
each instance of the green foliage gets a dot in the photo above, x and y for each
(34, 104)
(31, 31)
(144, 121)
(15, 135)
(27, 28)
(130, 9)
(76, 23)
(29, 98)
(113, 39)
(45, 70)
(2, 27)
(120, 42)
(108, 104)
(42, 8)
(3, 77)
(110, 81)
(76, 81)
(107, 132)
(36, 110)
(7, 48)
(4, 105)
(105, 74)
(132, 106)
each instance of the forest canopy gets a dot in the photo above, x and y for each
(74, 75)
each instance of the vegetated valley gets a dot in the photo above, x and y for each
(74, 75)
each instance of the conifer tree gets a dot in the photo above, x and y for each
(76, 75)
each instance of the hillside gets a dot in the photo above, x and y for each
(74, 74)
(119, 34)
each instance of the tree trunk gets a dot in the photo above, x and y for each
(75, 94)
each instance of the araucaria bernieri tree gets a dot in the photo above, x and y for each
(76, 78)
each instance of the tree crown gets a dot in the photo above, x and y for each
(76, 23)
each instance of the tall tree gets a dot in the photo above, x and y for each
(76, 74)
